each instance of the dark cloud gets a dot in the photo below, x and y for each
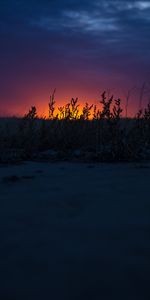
(43, 41)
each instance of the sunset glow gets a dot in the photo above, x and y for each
(81, 48)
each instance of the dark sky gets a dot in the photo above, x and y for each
(81, 47)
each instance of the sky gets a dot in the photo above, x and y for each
(79, 47)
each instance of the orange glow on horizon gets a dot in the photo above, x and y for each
(40, 99)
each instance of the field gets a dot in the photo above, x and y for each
(74, 231)
(94, 134)
(80, 140)
(74, 205)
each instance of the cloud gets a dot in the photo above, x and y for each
(99, 30)
(94, 17)
(78, 21)
(141, 5)
(89, 21)
(101, 35)
(128, 5)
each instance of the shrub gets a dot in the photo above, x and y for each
(99, 132)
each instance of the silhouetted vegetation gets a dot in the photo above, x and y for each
(95, 132)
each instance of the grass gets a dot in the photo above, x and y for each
(93, 134)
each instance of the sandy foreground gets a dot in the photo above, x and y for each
(74, 231)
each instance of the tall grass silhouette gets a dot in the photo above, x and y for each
(93, 133)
